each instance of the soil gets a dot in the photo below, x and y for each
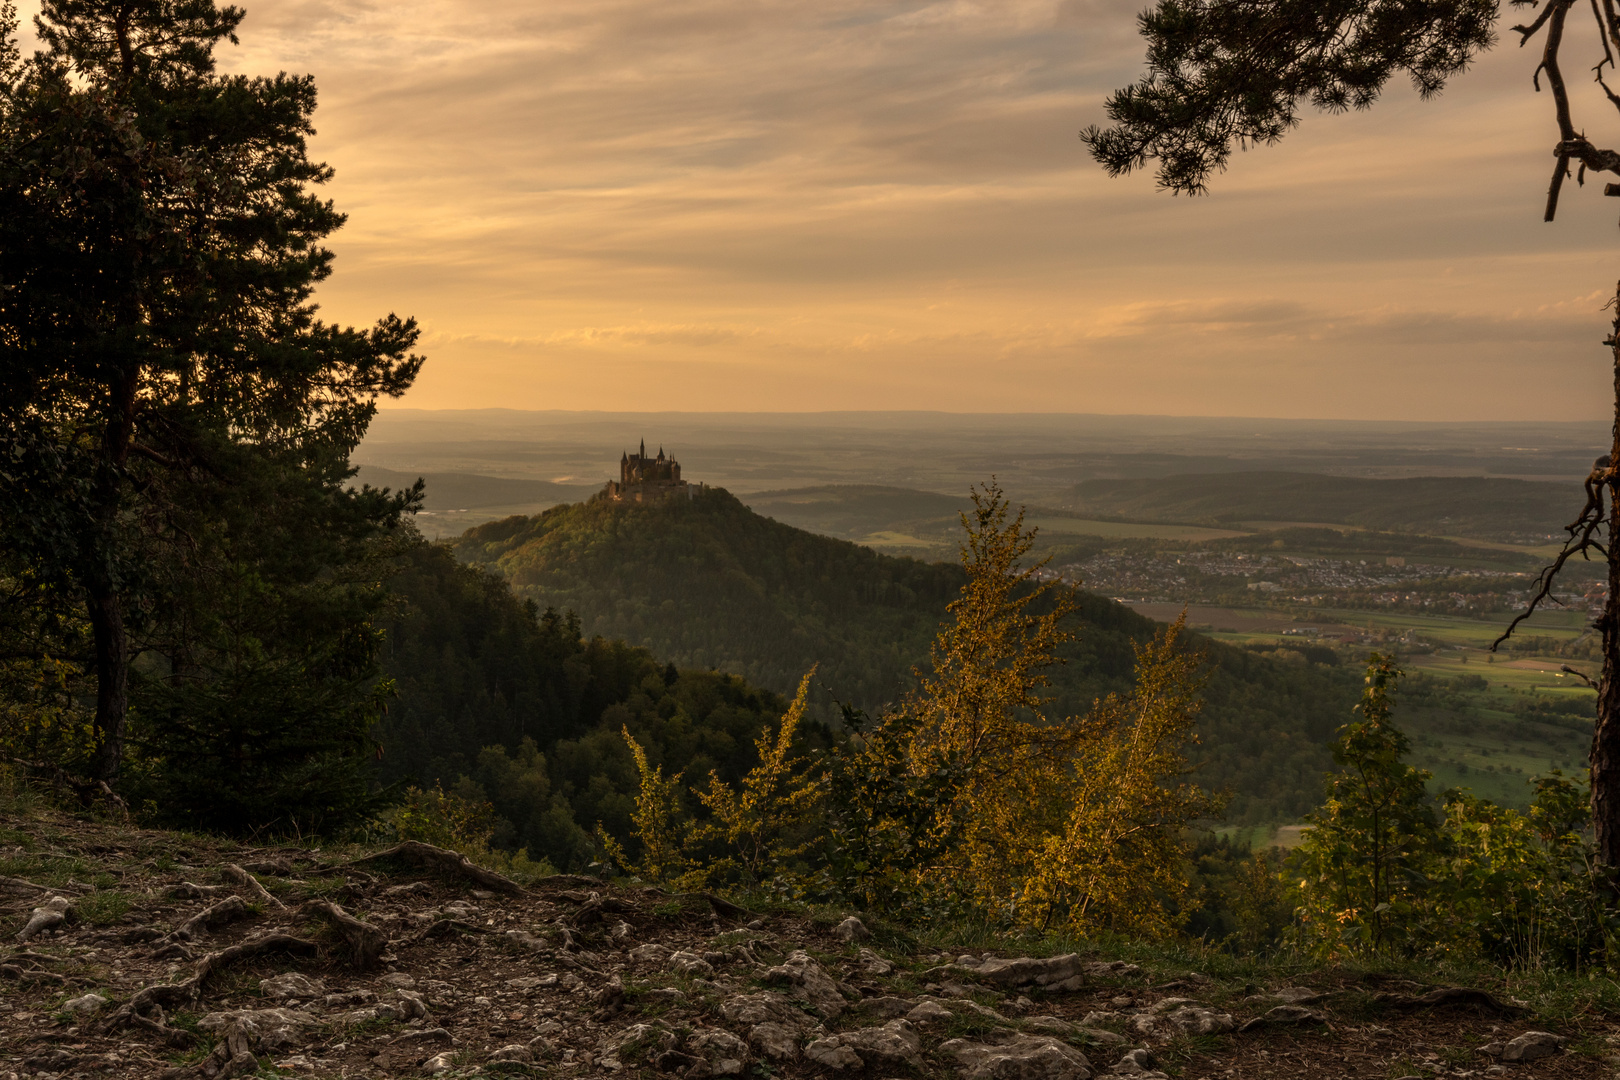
(572, 977)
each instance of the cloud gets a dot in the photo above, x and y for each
(780, 205)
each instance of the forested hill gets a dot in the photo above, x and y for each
(707, 583)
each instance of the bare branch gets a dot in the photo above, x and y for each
(1527, 32)
(1581, 540)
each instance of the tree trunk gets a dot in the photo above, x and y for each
(112, 681)
(1605, 760)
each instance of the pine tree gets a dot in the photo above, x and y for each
(161, 363)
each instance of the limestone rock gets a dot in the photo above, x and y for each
(399, 980)
(852, 930)
(48, 916)
(1298, 995)
(292, 985)
(809, 982)
(1026, 971)
(1100, 1036)
(1531, 1045)
(766, 1008)
(929, 1012)
(1138, 1063)
(874, 965)
(776, 1041)
(1197, 1020)
(86, 1006)
(439, 1063)
(513, 1052)
(1049, 1024)
(271, 1029)
(723, 1052)
(690, 963)
(1284, 1015)
(1026, 1057)
(650, 954)
(894, 1045)
(1096, 1018)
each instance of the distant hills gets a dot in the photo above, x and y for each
(707, 583)
(457, 500)
(1481, 507)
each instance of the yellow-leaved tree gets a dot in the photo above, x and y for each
(1129, 802)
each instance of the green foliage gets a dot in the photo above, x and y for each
(188, 575)
(454, 820)
(708, 583)
(1231, 71)
(1380, 874)
(494, 690)
(1366, 859)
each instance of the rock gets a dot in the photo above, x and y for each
(809, 982)
(767, 1008)
(1283, 1015)
(48, 916)
(852, 930)
(292, 985)
(1026, 1057)
(874, 965)
(399, 980)
(690, 963)
(928, 1012)
(1050, 1024)
(272, 1029)
(406, 1006)
(724, 1052)
(439, 1063)
(1298, 995)
(649, 954)
(532, 982)
(1196, 1020)
(352, 997)
(778, 1042)
(524, 939)
(513, 1052)
(1094, 1019)
(894, 1045)
(1531, 1045)
(86, 1006)
(1100, 1036)
(1026, 971)
(1138, 1063)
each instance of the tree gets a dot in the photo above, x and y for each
(158, 344)
(1370, 846)
(1237, 72)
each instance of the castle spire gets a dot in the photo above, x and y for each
(643, 447)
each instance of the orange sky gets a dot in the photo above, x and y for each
(852, 204)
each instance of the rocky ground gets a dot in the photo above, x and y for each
(144, 954)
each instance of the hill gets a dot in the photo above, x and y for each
(1489, 508)
(707, 583)
(453, 501)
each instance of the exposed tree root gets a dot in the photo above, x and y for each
(251, 884)
(146, 1009)
(227, 910)
(1448, 995)
(367, 941)
(455, 862)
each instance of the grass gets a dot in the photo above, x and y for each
(103, 907)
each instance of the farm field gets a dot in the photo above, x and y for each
(1129, 530)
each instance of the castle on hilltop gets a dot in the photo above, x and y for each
(649, 479)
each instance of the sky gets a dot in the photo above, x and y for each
(852, 204)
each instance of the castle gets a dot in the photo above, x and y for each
(648, 479)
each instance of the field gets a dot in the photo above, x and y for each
(1128, 530)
